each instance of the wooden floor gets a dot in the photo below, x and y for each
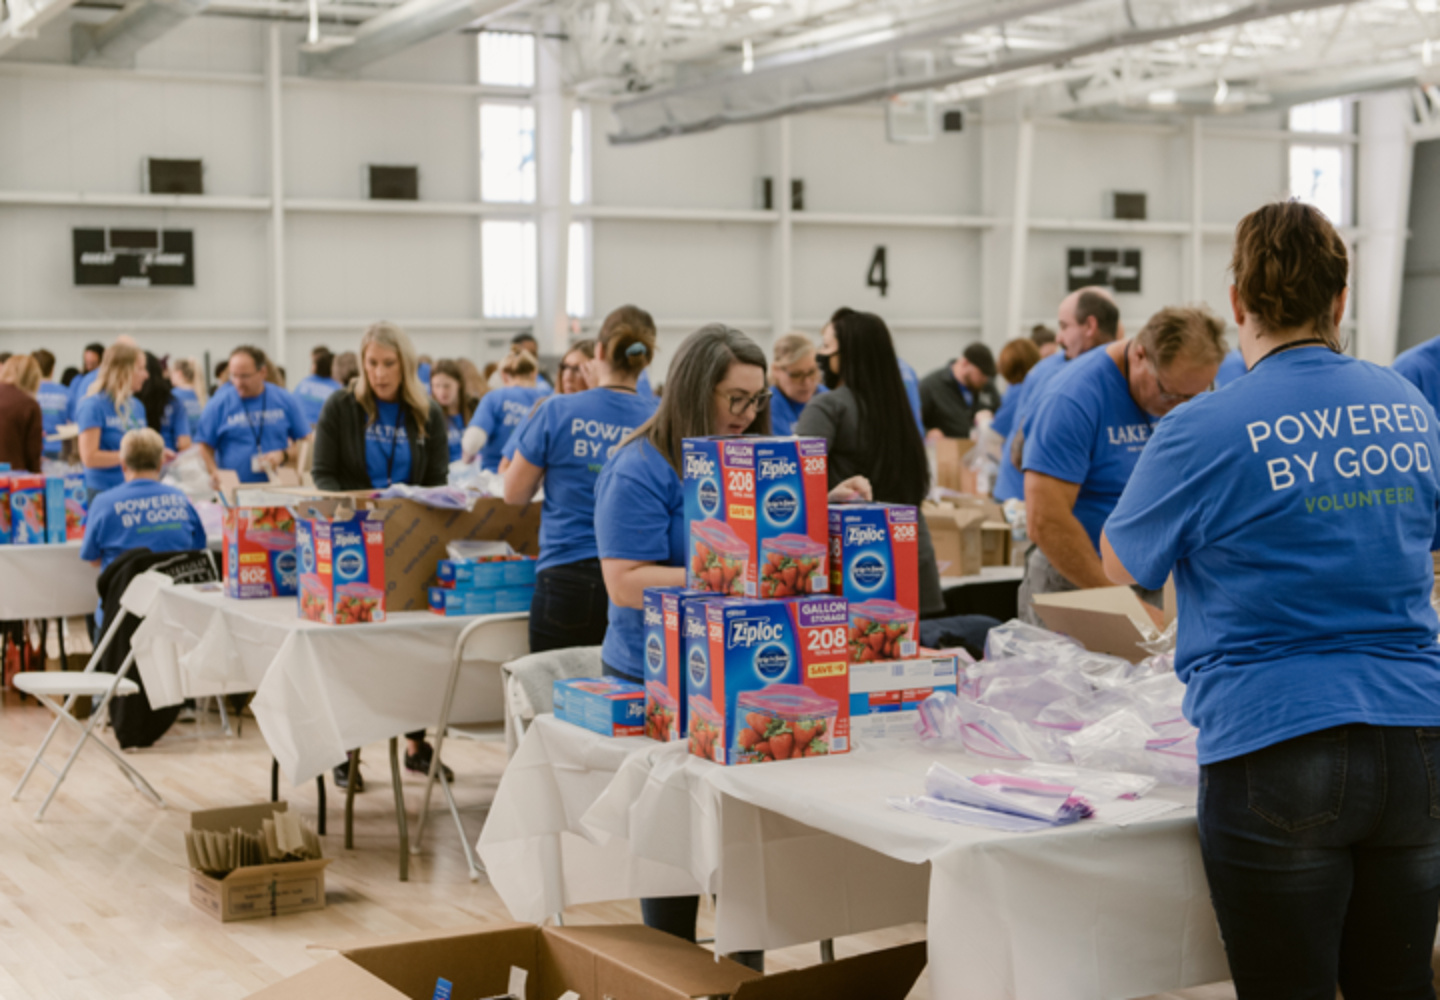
(93, 900)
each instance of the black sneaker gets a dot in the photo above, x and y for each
(419, 762)
(342, 777)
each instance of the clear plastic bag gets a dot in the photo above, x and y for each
(189, 473)
(467, 550)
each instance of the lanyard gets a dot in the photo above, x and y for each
(394, 443)
(1305, 342)
(257, 427)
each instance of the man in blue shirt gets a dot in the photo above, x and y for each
(1421, 367)
(312, 390)
(142, 512)
(54, 401)
(91, 360)
(252, 427)
(1087, 434)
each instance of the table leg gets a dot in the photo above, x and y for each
(827, 950)
(400, 820)
(320, 794)
(275, 780)
(60, 635)
(350, 800)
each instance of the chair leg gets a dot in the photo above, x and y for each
(60, 637)
(476, 869)
(400, 819)
(275, 780)
(350, 799)
(320, 794)
(39, 755)
(435, 764)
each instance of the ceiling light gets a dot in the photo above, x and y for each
(1163, 97)
(1427, 53)
(762, 13)
(1222, 91)
(747, 57)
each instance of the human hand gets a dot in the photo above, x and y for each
(856, 488)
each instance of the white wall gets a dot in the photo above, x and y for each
(943, 210)
(1420, 302)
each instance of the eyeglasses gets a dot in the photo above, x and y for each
(1174, 397)
(570, 368)
(802, 376)
(740, 402)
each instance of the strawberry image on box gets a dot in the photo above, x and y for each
(761, 489)
(665, 716)
(27, 510)
(767, 680)
(77, 504)
(874, 564)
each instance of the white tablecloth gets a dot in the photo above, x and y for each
(808, 850)
(45, 581)
(320, 690)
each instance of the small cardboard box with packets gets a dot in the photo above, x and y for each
(626, 962)
(254, 861)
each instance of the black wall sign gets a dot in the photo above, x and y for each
(134, 258)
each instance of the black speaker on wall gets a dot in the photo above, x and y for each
(394, 183)
(174, 176)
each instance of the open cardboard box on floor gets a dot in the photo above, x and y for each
(1109, 620)
(255, 890)
(416, 535)
(610, 962)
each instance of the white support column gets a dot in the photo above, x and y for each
(1019, 225)
(1384, 159)
(1195, 280)
(782, 293)
(273, 77)
(553, 109)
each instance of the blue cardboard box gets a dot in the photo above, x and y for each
(604, 705)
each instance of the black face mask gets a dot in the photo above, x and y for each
(831, 380)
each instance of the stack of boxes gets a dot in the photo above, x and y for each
(41, 510)
(487, 585)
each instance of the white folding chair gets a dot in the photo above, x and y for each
(101, 687)
(496, 639)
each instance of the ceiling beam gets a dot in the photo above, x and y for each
(400, 28)
(25, 18)
(140, 22)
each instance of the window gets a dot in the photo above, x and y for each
(507, 59)
(1320, 172)
(508, 249)
(577, 271)
(507, 152)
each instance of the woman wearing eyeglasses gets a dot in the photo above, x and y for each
(716, 386)
(796, 381)
(574, 368)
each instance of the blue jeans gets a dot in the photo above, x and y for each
(1323, 857)
(570, 607)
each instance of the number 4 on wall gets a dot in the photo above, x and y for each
(875, 277)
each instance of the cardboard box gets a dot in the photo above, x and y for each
(490, 574)
(4, 508)
(342, 568)
(875, 566)
(604, 705)
(416, 536)
(259, 558)
(55, 510)
(665, 715)
(27, 509)
(955, 531)
(885, 697)
(767, 680)
(623, 962)
(255, 890)
(1104, 620)
(496, 601)
(995, 538)
(951, 473)
(748, 499)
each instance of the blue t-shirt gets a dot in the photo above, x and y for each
(1230, 369)
(571, 438)
(174, 424)
(1421, 366)
(142, 513)
(99, 411)
(77, 391)
(784, 411)
(311, 392)
(640, 515)
(387, 446)
(499, 413)
(1009, 482)
(1087, 430)
(422, 371)
(236, 429)
(1298, 509)
(642, 385)
(912, 391)
(191, 401)
(455, 434)
(54, 405)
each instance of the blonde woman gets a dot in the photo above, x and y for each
(794, 381)
(502, 410)
(188, 388)
(107, 412)
(22, 423)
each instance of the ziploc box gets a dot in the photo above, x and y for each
(4, 508)
(499, 600)
(604, 705)
(665, 717)
(885, 696)
(259, 554)
(757, 489)
(77, 505)
(27, 509)
(767, 680)
(55, 510)
(874, 565)
(342, 567)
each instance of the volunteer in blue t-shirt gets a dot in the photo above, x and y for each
(254, 426)
(575, 374)
(107, 412)
(565, 444)
(383, 431)
(1297, 509)
(447, 388)
(1230, 369)
(1018, 359)
(795, 380)
(53, 399)
(90, 360)
(186, 388)
(716, 386)
(1421, 366)
(141, 512)
(501, 410)
(1088, 434)
(312, 390)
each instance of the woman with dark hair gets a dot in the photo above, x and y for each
(1296, 508)
(858, 422)
(164, 411)
(447, 388)
(566, 443)
(716, 386)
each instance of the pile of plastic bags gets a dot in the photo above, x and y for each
(1040, 696)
